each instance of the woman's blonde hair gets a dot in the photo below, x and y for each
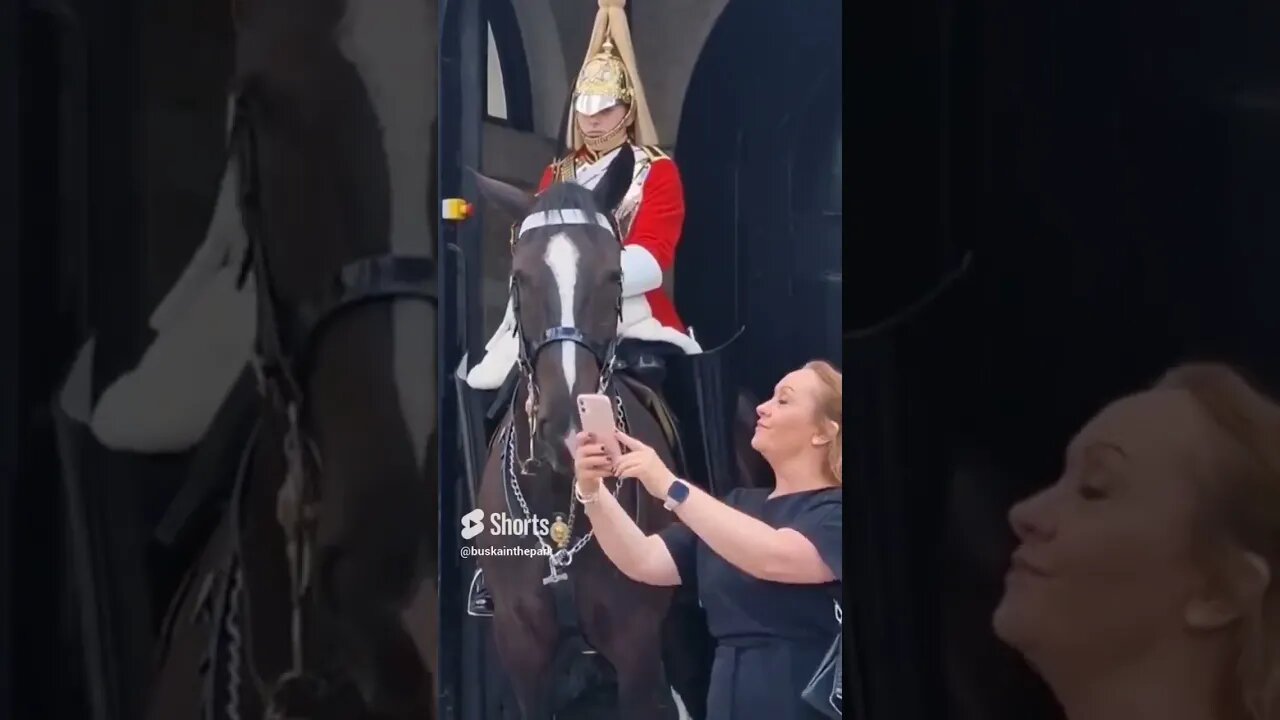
(1243, 492)
(831, 409)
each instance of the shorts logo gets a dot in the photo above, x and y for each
(472, 524)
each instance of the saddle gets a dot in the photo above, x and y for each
(657, 407)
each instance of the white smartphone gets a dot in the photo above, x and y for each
(596, 412)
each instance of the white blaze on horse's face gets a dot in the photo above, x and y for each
(562, 257)
(393, 46)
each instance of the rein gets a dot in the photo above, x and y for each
(287, 339)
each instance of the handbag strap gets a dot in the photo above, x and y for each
(837, 593)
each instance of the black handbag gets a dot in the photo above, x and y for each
(825, 691)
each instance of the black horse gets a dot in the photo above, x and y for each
(317, 593)
(553, 613)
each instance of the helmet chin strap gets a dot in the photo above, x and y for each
(609, 141)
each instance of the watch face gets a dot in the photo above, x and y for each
(678, 490)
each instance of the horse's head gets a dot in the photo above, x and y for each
(334, 146)
(339, 97)
(566, 285)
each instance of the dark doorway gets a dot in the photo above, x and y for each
(760, 152)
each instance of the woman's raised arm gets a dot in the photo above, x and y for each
(643, 558)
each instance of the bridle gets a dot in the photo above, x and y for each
(605, 353)
(287, 339)
(559, 554)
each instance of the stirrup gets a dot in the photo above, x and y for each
(479, 601)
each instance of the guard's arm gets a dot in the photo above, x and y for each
(650, 249)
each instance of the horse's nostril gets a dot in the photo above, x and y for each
(551, 450)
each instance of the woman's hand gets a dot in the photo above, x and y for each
(591, 463)
(643, 464)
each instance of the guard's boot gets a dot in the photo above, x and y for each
(479, 601)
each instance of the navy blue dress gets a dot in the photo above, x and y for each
(769, 636)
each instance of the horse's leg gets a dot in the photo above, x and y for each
(524, 630)
(623, 621)
(634, 648)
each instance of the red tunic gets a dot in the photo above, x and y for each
(655, 226)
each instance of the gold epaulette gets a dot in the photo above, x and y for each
(653, 152)
(564, 169)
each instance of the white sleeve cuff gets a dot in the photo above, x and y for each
(640, 271)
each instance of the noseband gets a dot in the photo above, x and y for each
(284, 349)
(605, 353)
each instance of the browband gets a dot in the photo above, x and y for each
(563, 217)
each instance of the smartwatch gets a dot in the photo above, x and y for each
(677, 493)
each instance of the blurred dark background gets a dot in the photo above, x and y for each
(1111, 166)
(111, 118)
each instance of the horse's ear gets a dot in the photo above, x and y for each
(510, 199)
(616, 181)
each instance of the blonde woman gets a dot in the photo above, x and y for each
(766, 562)
(1144, 586)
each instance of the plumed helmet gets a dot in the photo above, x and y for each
(608, 77)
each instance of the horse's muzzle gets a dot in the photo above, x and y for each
(554, 447)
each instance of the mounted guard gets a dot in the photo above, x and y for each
(610, 116)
